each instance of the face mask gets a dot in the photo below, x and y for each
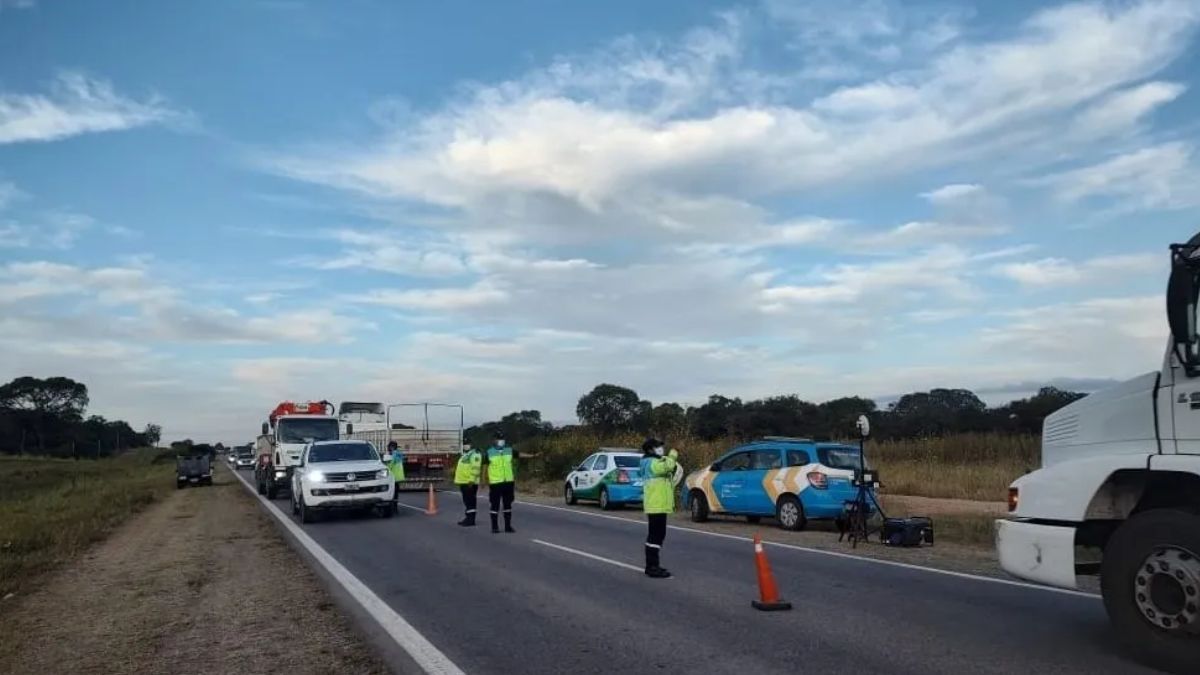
(500, 443)
(659, 451)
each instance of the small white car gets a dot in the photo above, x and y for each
(612, 477)
(342, 475)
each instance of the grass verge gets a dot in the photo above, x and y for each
(51, 510)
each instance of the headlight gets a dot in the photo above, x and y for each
(280, 474)
(381, 474)
(316, 476)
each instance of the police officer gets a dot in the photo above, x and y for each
(658, 500)
(466, 477)
(501, 478)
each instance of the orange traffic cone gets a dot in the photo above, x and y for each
(767, 592)
(431, 505)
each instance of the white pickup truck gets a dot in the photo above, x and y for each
(1121, 474)
(345, 475)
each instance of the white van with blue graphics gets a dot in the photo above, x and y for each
(789, 479)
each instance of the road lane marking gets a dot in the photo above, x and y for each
(410, 506)
(834, 554)
(593, 556)
(427, 656)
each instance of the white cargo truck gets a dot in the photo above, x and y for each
(1120, 475)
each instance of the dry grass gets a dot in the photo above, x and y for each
(964, 466)
(51, 510)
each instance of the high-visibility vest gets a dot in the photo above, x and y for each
(658, 491)
(467, 471)
(500, 465)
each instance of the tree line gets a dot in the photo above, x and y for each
(47, 417)
(609, 410)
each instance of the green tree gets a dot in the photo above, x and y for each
(716, 418)
(41, 406)
(153, 434)
(667, 420)
(609, 408)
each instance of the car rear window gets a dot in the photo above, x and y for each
(797, 458)
(838, 457)
(626, 462)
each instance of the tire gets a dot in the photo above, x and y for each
(569, 495)
(605, 503)
(1170, 540)
(295, 506)
(262, 487)
(179, 485)
(753, 520)
(272, 490)
(790, 513)
(388, 510)
(699, 507)
(306, 514)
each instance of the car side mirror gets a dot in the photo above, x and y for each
(580, 468)
(716, 466)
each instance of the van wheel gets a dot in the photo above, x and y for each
(1150, 581)
(605, 504)
(790, 513)
(569, 496)
(699, 507)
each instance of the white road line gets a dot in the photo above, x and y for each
(410, 506)
(427, 656)
(834, 554)
(593, 556)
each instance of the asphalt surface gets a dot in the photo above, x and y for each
(505, 603)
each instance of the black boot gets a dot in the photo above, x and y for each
(468, 520)
(508, 522)
(495, 524)
(653, 570)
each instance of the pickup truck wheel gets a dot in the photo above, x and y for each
(790, 513)
(569, 496)
(179, 485)
(295, 506)
(272, 491)
(262, 488)
(1150, 580)
(306, 514)
(699, 507)
(388, 510)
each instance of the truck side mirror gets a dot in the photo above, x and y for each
(266, 429)
(1181, 303)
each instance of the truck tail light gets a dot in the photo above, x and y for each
(818, 480)
(622, 476)
(1013, 499)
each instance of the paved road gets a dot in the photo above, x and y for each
(517, 603)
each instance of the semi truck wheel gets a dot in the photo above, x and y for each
(1150, 580)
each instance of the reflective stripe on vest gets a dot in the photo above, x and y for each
(500, 465)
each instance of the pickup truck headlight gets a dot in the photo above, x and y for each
(315, 477)
(381, 474)
(280, 474)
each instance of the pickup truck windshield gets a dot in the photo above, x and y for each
(307, 430)
(342, 452)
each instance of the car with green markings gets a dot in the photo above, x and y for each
(611, 476)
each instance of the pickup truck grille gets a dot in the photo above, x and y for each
(344, 477)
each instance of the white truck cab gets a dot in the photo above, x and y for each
(345, 474)
(1121, 473)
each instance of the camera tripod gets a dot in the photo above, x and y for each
(857, 523)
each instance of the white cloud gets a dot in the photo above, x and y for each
(75, 104)
(1157, 177)
(17, 4)
(1050, 272)
(436, 299)
(926, 233)
(1123, 109)
(951, 193)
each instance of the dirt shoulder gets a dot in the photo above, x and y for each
(189, 585)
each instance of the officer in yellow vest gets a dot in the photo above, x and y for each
(658, 500)
(501, 477)
(466, 477)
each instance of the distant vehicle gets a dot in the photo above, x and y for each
(342, 475)
(243, 457)
(790, 479)
(193, 469)
(611, 476)
(1120, 476)
(289, 428)
(429, 435)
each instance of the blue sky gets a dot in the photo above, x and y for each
(209, 207)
